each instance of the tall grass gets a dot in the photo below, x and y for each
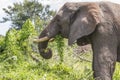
(72, 68)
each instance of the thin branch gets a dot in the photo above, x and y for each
(35, 58)
(83, 59)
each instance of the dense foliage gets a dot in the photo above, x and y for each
(16, 42)
(20, 59)
(2, 42)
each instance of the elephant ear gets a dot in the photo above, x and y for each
(85, 21)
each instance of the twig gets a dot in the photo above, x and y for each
(35, 58)
(81, 58)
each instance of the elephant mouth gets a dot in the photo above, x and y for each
(83, 41)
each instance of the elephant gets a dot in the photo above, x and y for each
(95, 23)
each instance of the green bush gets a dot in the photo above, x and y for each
(17, 42)
(2, 44)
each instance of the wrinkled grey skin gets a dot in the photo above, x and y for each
(89, 22)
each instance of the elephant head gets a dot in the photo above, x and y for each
(74, 21)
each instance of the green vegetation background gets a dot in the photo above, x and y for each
(19, 56)
(20, 59)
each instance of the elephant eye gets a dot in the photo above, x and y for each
(58, 21)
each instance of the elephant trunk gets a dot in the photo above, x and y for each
(42, 45)
(46, 35)
(44, 51)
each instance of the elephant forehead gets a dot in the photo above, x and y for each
(60, 13)
(63, 16)
(72, 5)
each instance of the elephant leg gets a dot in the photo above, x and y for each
(118, 54)
(104, 58)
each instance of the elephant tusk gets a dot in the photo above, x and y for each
(41, 40)
(51, 40)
